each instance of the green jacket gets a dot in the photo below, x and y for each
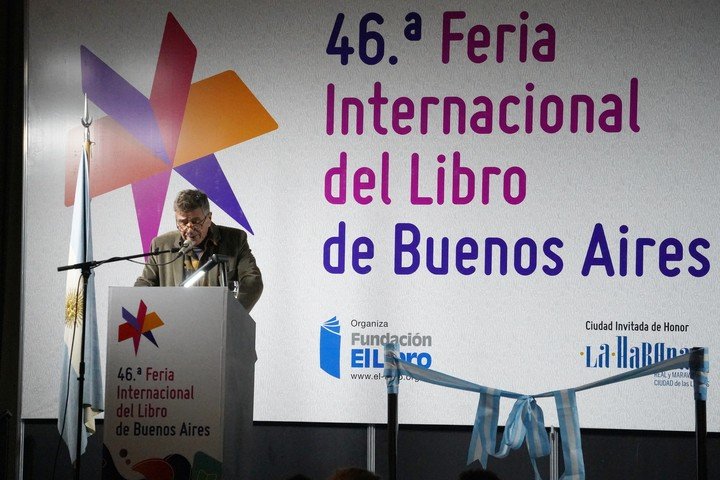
(166, 270)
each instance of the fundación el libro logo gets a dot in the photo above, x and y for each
(330, 347)
(366, 344)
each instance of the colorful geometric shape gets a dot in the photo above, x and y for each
(139, 325)
(221, 111)
(179, 127)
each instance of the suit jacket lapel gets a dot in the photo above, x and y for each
(177, 271)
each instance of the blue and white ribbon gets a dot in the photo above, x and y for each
(570, 435)
(526, 423)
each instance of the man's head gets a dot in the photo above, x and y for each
(193, 215)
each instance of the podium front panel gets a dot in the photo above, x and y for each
(164, 382)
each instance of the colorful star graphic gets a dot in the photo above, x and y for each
(179, 127)
(142, 324)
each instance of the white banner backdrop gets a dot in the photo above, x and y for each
(523, 193)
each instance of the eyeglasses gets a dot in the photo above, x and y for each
(187, 222)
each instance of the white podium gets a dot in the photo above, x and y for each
(179, 384)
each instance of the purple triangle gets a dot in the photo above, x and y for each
(205, 174)
(123, 102)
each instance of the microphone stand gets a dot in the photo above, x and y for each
(96, 263)
(86, 270)
(215, 259)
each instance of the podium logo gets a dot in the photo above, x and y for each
(139, 325)
(330, 347)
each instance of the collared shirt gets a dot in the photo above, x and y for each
(200, 254)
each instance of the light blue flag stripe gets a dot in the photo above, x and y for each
(570, 434)
(485, 427)
(526, 420)
(699, 369)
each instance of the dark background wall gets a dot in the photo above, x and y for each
(277, 450)
(11, 178)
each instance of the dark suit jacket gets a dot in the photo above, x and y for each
(162, 270)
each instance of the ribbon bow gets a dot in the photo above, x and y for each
(526, 423)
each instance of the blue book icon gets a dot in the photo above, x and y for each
(330, 347)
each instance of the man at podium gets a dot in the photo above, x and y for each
(198, 239)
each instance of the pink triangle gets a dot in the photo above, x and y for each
(149, 195)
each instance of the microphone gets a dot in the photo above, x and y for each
(186, 246)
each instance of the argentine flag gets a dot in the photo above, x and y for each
(80, 251)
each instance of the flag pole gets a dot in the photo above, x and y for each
(81, 375)
(393, 383)
(392, 429)
(85, 272)
(701, 439)
(698, 371)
